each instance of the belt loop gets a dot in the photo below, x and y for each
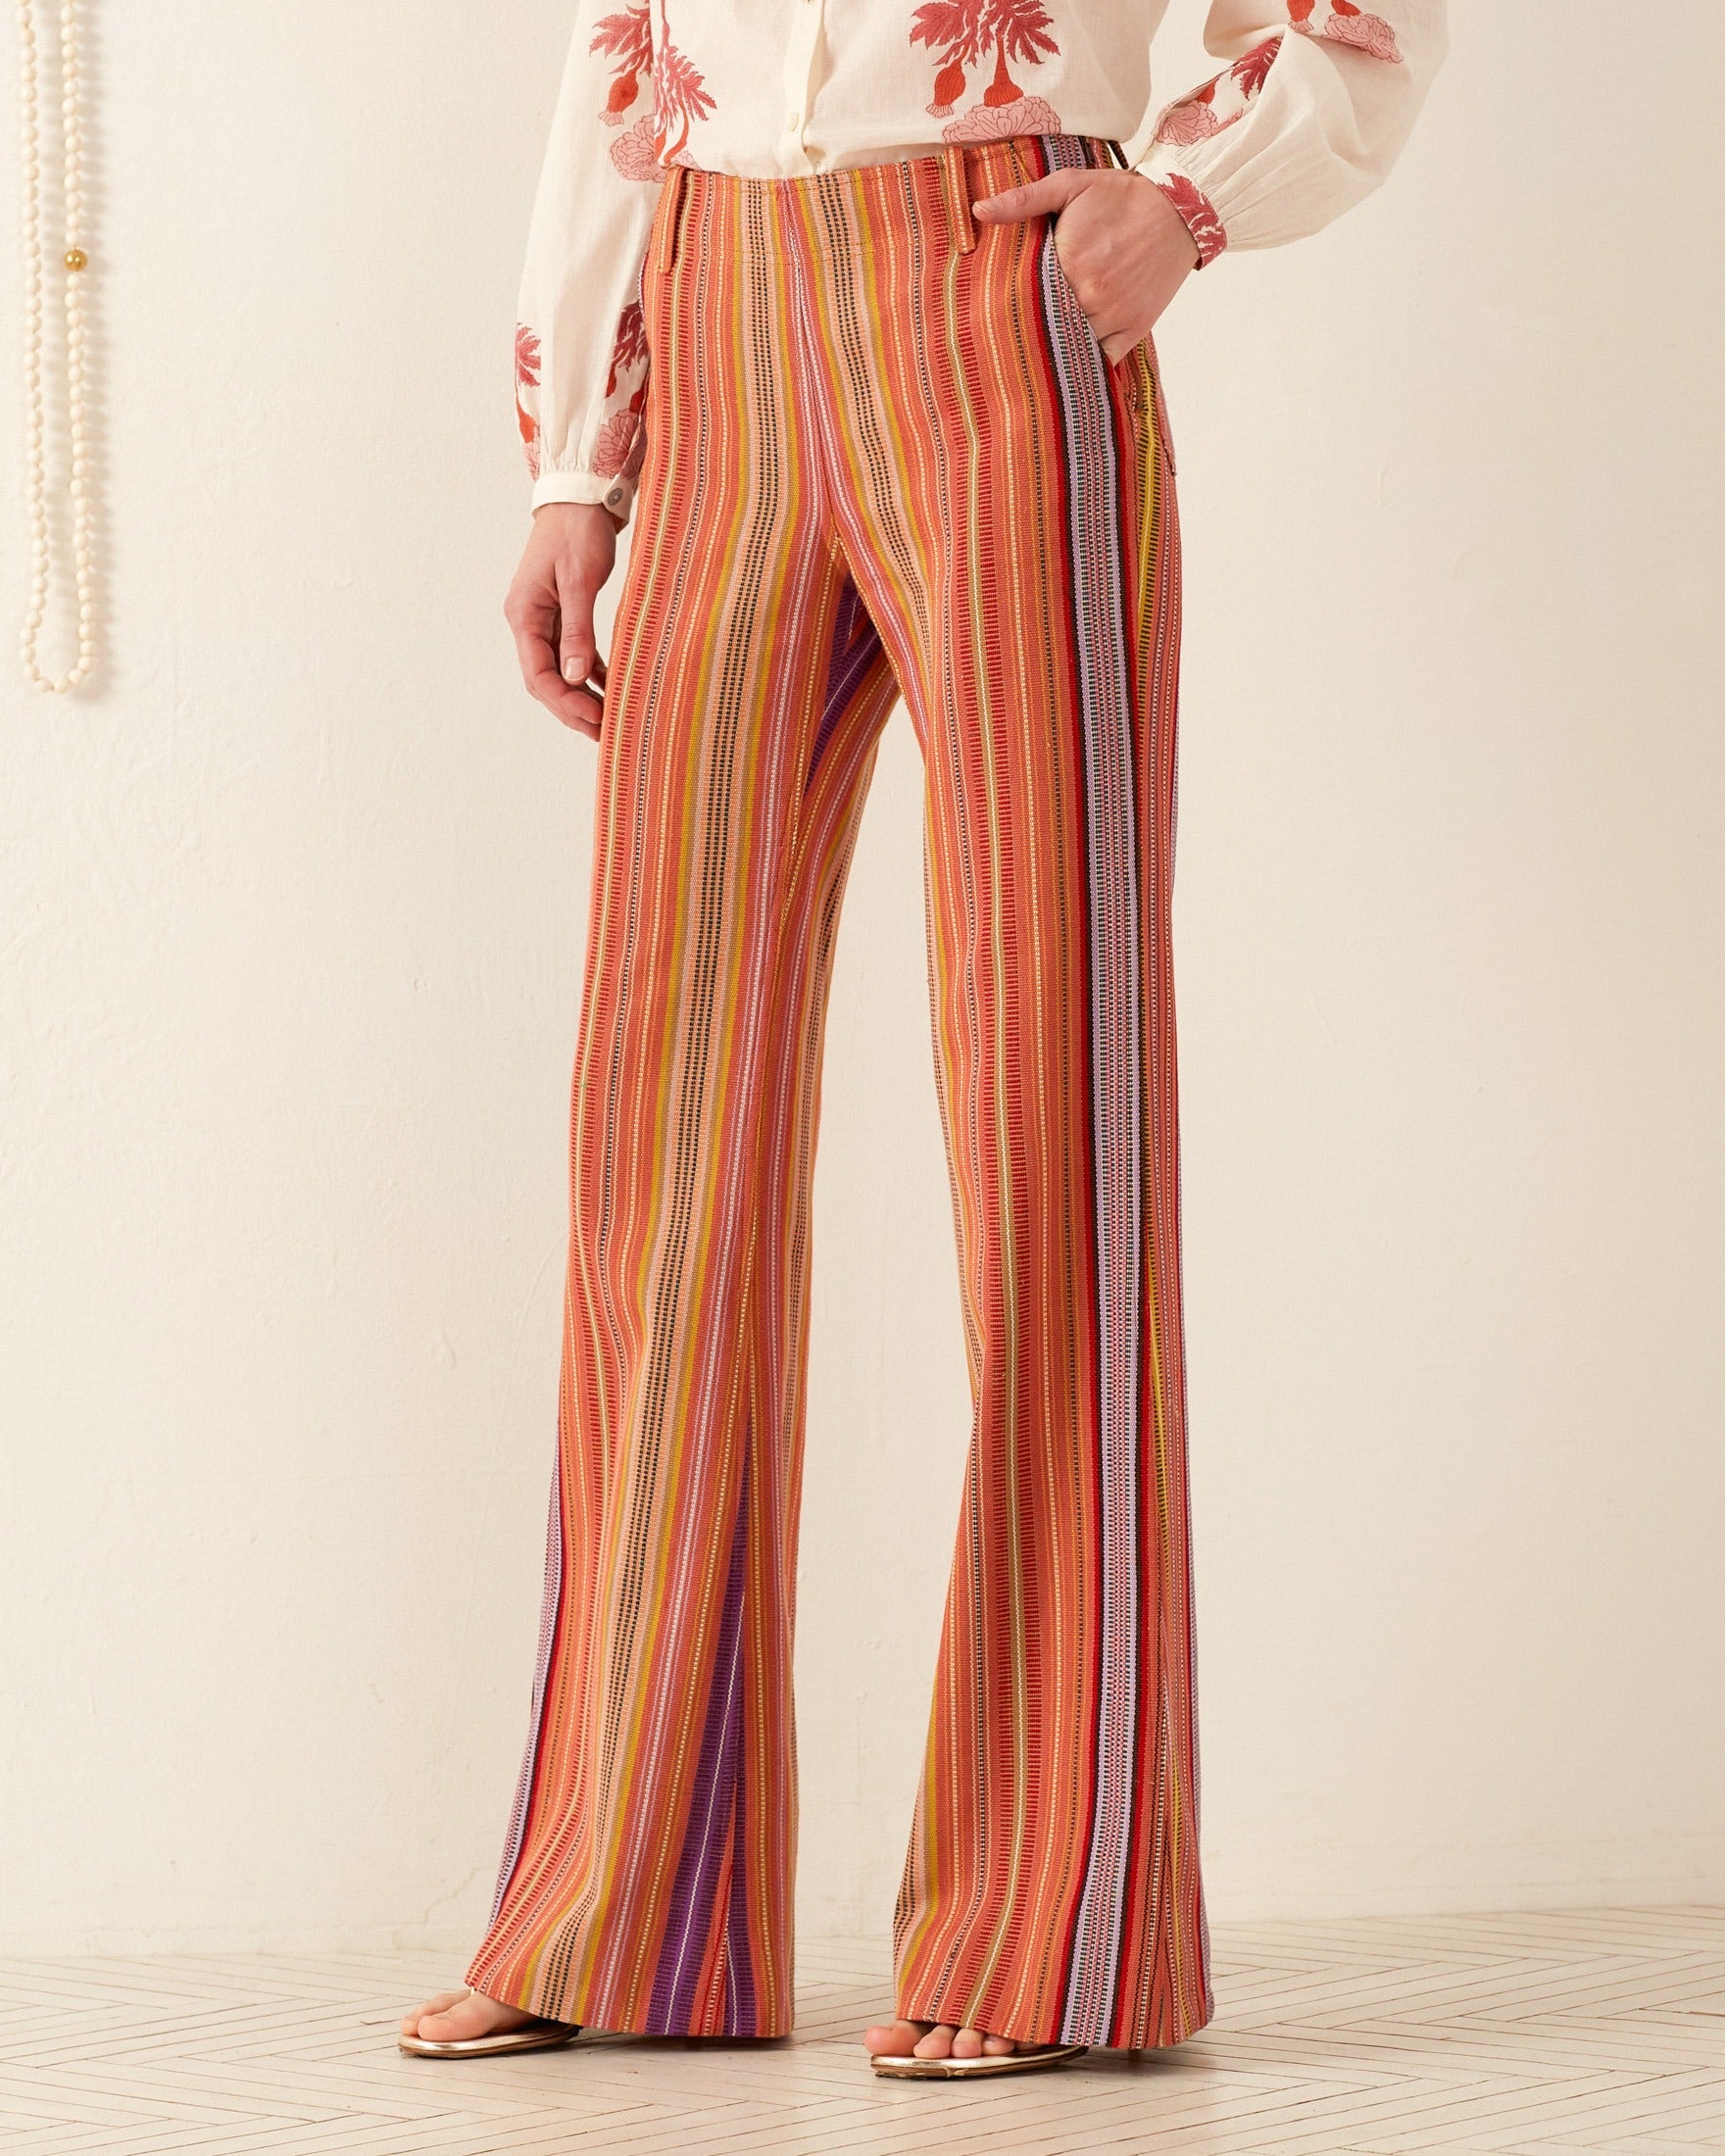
(956, 179)
(672, 183)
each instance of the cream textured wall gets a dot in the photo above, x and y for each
(291, 916)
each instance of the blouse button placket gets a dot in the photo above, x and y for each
(801, 46)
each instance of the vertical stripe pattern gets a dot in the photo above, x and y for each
(886, 455)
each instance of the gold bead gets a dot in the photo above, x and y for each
(76, 259)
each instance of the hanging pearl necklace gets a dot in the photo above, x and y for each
(74, 262)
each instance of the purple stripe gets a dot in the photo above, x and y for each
(742, 2010)
(706, 1839)
(855, 646)
(1101, 643)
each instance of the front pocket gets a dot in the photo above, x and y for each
(1153, 391)
(1137, 371)
(1135, 368)
(1075, 305)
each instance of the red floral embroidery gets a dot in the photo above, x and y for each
(679, 96)
(1219, 102)
(1225, 97)
(1250, 69)
(1351, 25)
(993, 123)
(1193, 119)
(617, 430)
(677, 90)
(635, 153)
(1185, 124)
(961, 33)
(613, 441)
(628, 39)
(528, 377)
(629, 346)
(1348, 25)
(1198, 211)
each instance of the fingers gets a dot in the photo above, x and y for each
(577, 707)
(577, 650)
(550, 613)
(577, 654)
(1052, 191)
(1121, 248)
(536, 652)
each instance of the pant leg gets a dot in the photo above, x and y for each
(647, 1881)
(1005, 498)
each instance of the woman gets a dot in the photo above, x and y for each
(850, 305)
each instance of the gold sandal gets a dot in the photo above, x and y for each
(536, 2037)
(908, 2067)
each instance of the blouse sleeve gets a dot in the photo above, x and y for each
(1306, 118)
(580, 350)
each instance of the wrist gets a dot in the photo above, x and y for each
(582, 486)
(594, 515)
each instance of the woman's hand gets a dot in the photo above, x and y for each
(1123, 245)
(568, 554)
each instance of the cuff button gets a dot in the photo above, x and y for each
(614, 498)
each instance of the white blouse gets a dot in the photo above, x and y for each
(1307, 116)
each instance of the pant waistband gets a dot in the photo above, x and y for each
(960, 172)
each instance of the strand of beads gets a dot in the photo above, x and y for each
(74, 262)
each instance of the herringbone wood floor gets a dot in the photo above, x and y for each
(1481, 2036)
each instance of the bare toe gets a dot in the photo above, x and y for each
(410, 2022)
(977, 2043)
(893, 2038)
(937, 2044)
(468, 2014)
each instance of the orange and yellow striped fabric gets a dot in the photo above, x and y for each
(885, 453)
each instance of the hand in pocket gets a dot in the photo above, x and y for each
(1124, 248)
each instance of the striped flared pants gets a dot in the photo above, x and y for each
(885, 453)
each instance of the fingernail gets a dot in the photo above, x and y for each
(571, 673)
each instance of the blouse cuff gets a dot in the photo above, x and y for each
(1196, 211)
(614, 490)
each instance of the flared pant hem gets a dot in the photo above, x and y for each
(956, 2011)
(930, 2005)
(631, 2024)
(641, 2021)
